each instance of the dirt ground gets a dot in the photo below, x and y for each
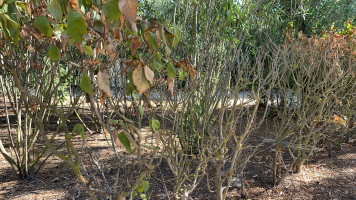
(325, 178)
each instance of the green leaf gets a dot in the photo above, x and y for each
(79, 128)
(124, 141)
(134, 193)
(134, 95)
(42, 24)
(140, 110)
(121, 123)
(178, 35)
(111, 10)
(152, 40)
(76, 26)
(157, 57)
(143, 196)
(98, 26)
(154, 124)
(130, 86)
(180, 74)
(113, 121)
(54, 53)
(145, 185)
(156, 65)
(71, 42)
(170, 70)
(149, 175)
(88, 50)
(139, 189)
(87, 3)
(85, 84)
(54, 8)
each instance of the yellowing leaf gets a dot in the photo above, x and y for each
(139, 79)
(171, 71)
(129, 9)
(103, 82)
(85, 84)
(88, 50)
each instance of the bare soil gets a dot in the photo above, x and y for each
(325, 178)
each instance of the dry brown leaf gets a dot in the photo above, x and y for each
(136, 44)
(79, 47)
(116, 140)
(1, 2)
(103, 82)
(102, 98)
(117, 33)
(149, 74)
(74, 4)
(135, 130)
(139, 79)
(134, 27)
(129, 9)
(102, 52)
(131, 138)
(122, 21)
(128, 64)
(170, 84)
(64, 40)
(192, 70)
(30, 49)
(111, 49)
(182, 64)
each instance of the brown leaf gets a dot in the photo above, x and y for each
(116, 140)
(170, 84)
(64, 39)
(129, 9)
(134, 27)
(103, 82)
(30, 49)
(79, 47)
(131, 138)
(136, 44)
(128, 64)
(135, 130)
(1, 2)
(182, 64)
(111, 49)
(149, 74)
(102, 52)
(102, 98)
(139, 79)
(192, 70)
(74, 4)
(122, 21)
(117, 33)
